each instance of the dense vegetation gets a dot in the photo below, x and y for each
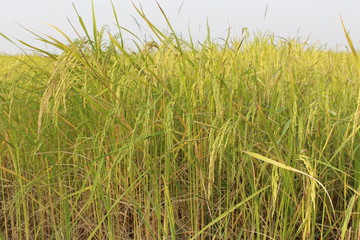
(255, 138)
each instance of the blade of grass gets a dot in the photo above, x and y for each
(350, 42)
(227, 212)
(286, 167)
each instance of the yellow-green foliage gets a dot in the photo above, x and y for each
(248, 139)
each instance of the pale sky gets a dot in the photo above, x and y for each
(316, 20)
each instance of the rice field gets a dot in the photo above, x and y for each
(244, 138)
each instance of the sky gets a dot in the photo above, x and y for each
(316, 21)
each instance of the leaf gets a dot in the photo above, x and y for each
(227, 212)
(351, 45)
(286, 167)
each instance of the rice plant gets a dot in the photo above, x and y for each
(246, 138)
